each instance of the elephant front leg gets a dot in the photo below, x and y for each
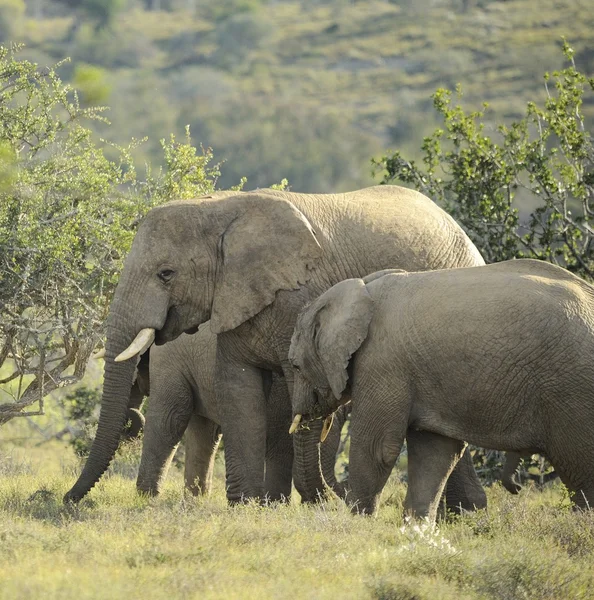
(169, 411)
(202, 440)
(242, 402)
(279, 444)
(431, 459)
(373, 454)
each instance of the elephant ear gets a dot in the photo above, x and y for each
(342, 326)
(269, 246)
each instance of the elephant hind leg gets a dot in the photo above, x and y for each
(202, 441)
(431, 459)
(575, 467)
(463, 489)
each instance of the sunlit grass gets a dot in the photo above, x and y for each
(116, 544)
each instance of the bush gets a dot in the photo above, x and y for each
(67, 218)
(238, 36)
(223, 9)
(542, 165)
(92, 84)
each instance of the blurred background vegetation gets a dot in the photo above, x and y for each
(309, 89)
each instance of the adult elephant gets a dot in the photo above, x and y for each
(249, 262)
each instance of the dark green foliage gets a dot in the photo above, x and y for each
(103, 12)
(546, 158)
(224, 9)
(81, 408)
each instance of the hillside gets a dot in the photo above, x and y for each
(305, 90)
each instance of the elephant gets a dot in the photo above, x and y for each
(248, 262)
(181, 389)
(499, 356)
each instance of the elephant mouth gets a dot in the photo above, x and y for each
(305, 422)
(173, 327)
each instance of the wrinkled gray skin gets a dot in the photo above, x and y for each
(499, 356)
(249, 262)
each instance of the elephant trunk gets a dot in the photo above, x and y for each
(114, 409)
(313, 467)
(307, 473)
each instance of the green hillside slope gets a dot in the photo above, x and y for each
(307, 90)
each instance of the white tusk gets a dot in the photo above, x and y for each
(100, 354)
(141, 342)
(326, 427)
(295, 424)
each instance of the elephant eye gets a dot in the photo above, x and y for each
(297, 368)
(165, 275)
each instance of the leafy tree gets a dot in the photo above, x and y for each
(67, 217)
(82, 409)
(543, 163)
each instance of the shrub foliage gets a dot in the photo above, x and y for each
(478, 173)
(67, 217)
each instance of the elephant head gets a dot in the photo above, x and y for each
(218, 258)
(328, 332)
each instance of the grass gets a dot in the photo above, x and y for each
(119, 545)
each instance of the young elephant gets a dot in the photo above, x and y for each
(500, 356)
(182, 399)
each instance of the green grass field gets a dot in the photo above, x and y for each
(118, 545)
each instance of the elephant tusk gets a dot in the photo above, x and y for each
(141, 342)
(295, 424)
(100, 354)
(326, 427)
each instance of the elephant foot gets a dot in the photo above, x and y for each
(511, 486)
(150, 492)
